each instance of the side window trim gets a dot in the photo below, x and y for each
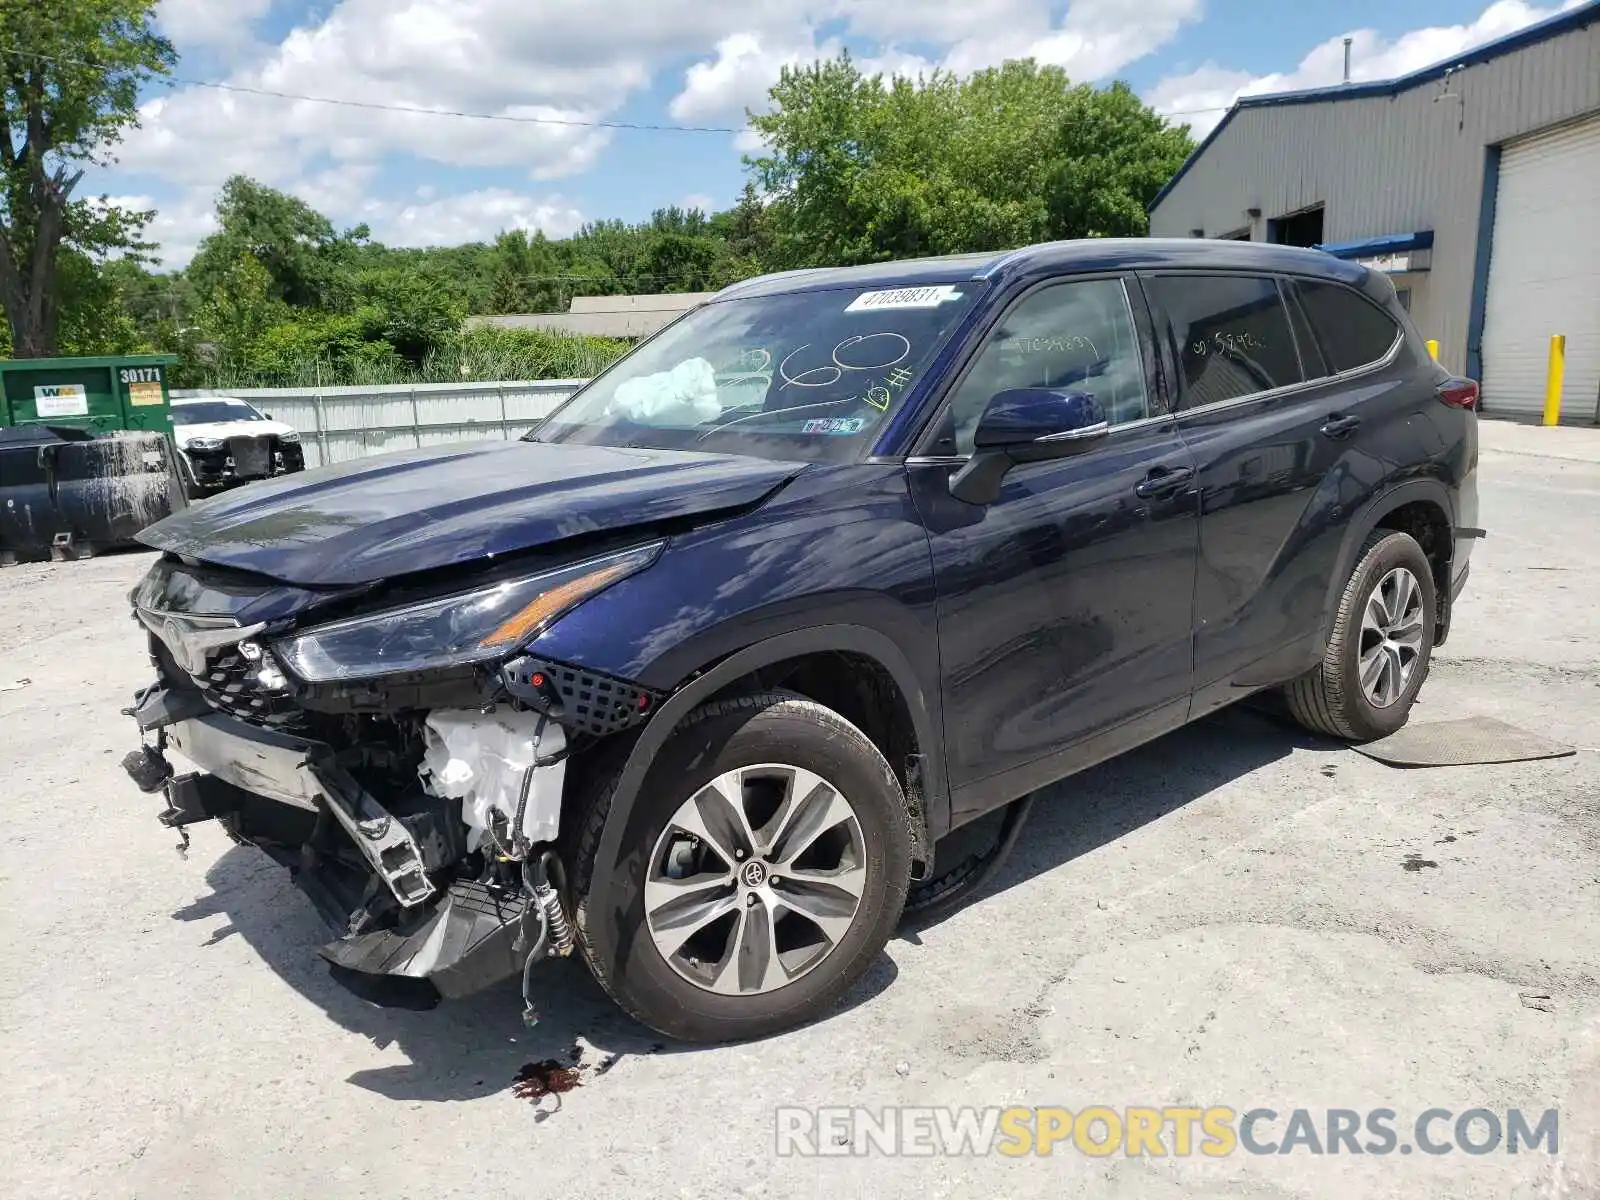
(1300, 326)
(923, 445)
(1286, 298)
(1158, 370)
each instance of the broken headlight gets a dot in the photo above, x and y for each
(472, 627)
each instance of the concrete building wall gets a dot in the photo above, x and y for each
(1409, 161)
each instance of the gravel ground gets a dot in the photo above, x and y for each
(1236, 915)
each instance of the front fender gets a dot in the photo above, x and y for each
(622, 835)
(837, 561)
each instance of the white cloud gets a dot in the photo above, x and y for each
(1371, 58)
(1100, 37)
(551, 60)
(469, 217)
(221, 24)
(1095, 39)
(739, 76)
(178, 226)
(697, 200)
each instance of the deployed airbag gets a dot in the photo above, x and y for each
(685, 395)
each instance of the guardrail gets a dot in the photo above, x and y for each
(340, 423)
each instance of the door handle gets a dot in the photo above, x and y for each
(1340, 426)
(1163, 481)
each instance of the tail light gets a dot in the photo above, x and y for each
(1458, 393)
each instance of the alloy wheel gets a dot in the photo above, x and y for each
(756, 879)
(1392, 629)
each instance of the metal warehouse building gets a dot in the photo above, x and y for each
(1475, 183)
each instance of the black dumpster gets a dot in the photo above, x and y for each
(68, 492)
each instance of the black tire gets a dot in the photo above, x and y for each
(769, 727)
(1328, 699)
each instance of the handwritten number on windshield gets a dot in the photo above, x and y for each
(886, 352)
(862, 352)
(801, 380)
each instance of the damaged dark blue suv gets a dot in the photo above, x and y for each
(697, 678)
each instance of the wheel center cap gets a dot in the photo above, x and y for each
(753, 873)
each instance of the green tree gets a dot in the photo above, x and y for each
(70, 72)
(526, 274)
(860, 169)
(94, 312)
(238, 307)
(304, 256)
(407, 311)
(744, 228)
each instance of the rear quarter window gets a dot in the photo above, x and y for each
(1352, 330)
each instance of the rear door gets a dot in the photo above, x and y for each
(1285, 427)
(1065, 606)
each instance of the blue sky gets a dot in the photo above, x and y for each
(429, 180)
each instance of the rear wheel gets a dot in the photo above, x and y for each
(1381, 647)
(768, 863)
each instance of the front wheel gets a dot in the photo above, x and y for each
(769, 865)
(1381, 647)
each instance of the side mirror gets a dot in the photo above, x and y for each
(1026, 425)
(268, 416)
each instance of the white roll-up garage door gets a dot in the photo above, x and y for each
(1544, 272)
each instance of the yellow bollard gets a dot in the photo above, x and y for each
(1433, 349)
(1552, 379)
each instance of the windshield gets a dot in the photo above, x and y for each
(210, 412)
(804, 375)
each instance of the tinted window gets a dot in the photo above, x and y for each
(1232, 335)
(1353, 331)
(1073, 337)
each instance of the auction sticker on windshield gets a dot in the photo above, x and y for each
(917, 297)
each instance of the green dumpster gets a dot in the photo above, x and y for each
(101, 394)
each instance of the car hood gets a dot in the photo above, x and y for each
(228, 429)
(376, 518)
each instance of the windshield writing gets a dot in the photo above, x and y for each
(808, 375)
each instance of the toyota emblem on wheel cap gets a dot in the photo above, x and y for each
(753, 874)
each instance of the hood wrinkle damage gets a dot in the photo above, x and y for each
(419, 511)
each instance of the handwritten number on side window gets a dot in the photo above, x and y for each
(1226, 343)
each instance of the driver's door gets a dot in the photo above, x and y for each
(1065, 607)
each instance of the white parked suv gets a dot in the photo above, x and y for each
(223, 441)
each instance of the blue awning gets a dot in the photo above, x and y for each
(1389, 243)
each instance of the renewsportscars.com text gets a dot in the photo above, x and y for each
(1101, 1130)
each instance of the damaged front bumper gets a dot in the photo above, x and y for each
(406, 940)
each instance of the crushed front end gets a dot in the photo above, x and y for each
(418, 806)
(222, 462)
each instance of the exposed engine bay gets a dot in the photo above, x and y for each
(422, 818)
